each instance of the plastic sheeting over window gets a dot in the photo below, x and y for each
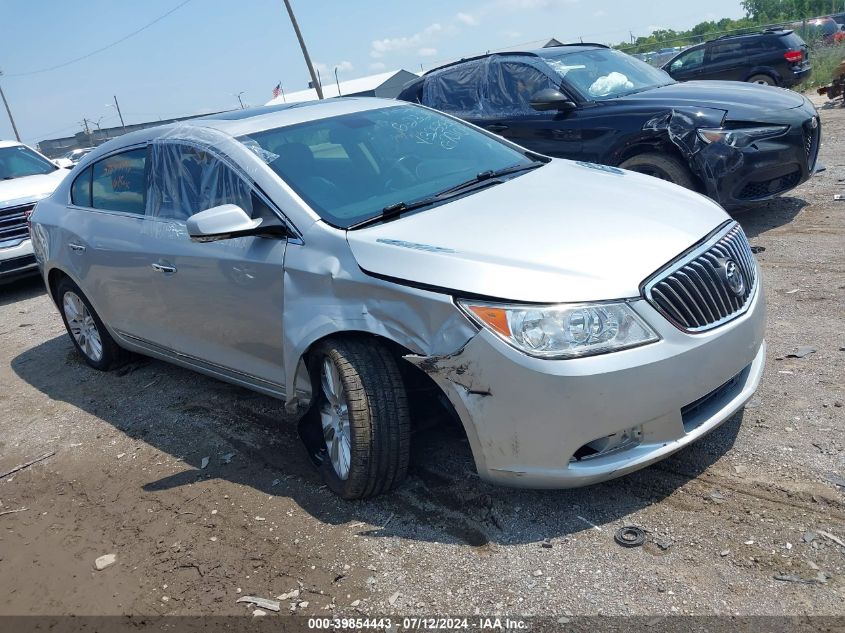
(186, 179)
(492, 86)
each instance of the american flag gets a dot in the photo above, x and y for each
(277, 90)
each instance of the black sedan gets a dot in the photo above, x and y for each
(737, 143)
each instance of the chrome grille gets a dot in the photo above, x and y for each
(695, 293)
(13, 223)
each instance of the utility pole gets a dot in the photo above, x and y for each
(117, 107)
(337, 82)
(9, 112)
(308, 63)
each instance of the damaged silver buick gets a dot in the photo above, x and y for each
(360, 258)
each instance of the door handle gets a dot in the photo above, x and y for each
(79, 248)
(497, 128)
(161, 268)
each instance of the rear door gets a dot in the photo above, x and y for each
(223, 299)
(105, 232)
(726, 60)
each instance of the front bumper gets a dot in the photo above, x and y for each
(737, 177)
(17, 261)
(527, 419)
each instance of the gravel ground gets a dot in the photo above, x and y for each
(756, 500)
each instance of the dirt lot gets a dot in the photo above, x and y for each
(756, 500)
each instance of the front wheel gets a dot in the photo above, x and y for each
(362, 410)
(663, 166)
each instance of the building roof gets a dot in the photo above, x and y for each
(348, 87)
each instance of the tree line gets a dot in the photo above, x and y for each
(757, 13)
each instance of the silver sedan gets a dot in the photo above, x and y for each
(360, 258)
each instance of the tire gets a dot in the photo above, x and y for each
(666, 167)
(377, 425)
(764, 80)
(86, 330)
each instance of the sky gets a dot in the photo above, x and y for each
(200, 55)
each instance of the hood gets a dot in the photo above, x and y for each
(29, 188)
(565, 232)
(743, 101)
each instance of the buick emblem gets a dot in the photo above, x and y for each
(733, 278)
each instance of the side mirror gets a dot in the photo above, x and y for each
(551, 99)
(222, 223)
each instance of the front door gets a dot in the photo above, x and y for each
(508, 111)
(224, 299)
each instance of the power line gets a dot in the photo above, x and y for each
(100, 50)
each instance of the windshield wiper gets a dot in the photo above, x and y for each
(490, 174)
(485, 178)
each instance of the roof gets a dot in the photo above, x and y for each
(348, 87)
(541, 52)
(248, 121)
(9, 143)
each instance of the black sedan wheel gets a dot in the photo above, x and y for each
(665, 167)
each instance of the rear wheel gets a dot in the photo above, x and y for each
(663, 166)
(763, 80)
(362, 410)
(85, 328)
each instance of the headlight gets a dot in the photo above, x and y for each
(741, 137)
(563, 331)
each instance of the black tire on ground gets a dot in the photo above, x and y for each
(663, 166)
(112, 354)
(766, 80)
(379, 420)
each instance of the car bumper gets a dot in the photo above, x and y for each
(529, 419)
(17, 261)
(796, 76)
(769, 168)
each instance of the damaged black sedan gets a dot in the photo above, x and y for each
(737, 143)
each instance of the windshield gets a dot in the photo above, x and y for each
(19, 161)
(606, 73)
(349, 168)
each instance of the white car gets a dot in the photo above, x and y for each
(25, 178)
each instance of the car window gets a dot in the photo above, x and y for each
(726, 52)
(350, 167)
(512, 85)
(118, 182)
(80, 190)
(456, 89)
(19, 161)
(185, 180)
(688, 60)
(604, 73)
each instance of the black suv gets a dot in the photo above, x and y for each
(738, 143)
(773, 57)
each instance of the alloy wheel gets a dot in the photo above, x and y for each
(82, 326)
(334, 417)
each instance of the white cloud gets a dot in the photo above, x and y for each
(342, 67)
(522, 5)
(467, 18)
(377, 66)
(427, 52)
(600, 13)
(379, 48)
